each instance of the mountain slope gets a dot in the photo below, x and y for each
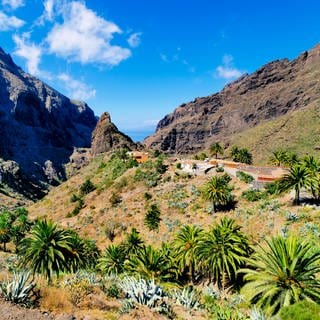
(39, 127)
(276, 89)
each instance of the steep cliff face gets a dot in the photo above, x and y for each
(275, 89)
(107, 137)
(39, 127)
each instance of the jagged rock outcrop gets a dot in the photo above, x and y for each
(39, 127)
(107, 137)
(275, 89)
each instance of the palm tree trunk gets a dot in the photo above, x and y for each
(297, 197)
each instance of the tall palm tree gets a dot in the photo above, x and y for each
(222, 251)
(282, 272)
(151, 263)
(278, 157)
(216, 149)
(47, 249)
(218, 191)
(185, 244)
(112, 261)
(298, 177)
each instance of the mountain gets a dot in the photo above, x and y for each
(279, 88)
(107, 137)
(39, 129)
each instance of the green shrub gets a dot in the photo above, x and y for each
(77, 209)
(253, 195)
(219, 169)
(272, 187)
(244, 177)
(179, 166)
(87, 187)
(303, 310)
(74, 198)
(147, 196)
(115, 199)
(152, 218)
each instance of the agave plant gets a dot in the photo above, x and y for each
(188, 297)
(19, 290)
(144, 292)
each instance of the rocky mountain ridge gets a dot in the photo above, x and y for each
(275, 89)
(39, 128)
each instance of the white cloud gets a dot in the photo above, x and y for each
(13, 4)
(227, 70)
(48, 12)
(85, 37)
(7, 23)
(29, 51)
(75, 88)
(134, 40)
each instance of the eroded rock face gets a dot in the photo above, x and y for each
(39, 127)
(275, 89)
(107, 137)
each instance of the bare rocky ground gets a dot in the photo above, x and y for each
(9, 311)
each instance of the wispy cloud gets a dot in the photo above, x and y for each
(13, 4)
(75, 88)
(227, 70)
(85, 37)
(48, 12)
(31, 52)
(177, 57)
(8, 23)
(134, 39)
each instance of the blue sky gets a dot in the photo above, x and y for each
(139, 59)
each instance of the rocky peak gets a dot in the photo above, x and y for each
(107, 137)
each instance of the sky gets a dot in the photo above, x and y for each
(139, 59)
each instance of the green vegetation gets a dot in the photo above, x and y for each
(244, 177)
(241, 155)
(221, 266)
(152, 218)
(216, 149)
(282, 273)
(218, 191)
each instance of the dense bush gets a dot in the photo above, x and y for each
(253, 195)
(304, 310)
(87, 187)
(152, 218)
(244, 177)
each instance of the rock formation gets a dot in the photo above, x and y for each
(107, 137)
(275, 89)
(39, 127)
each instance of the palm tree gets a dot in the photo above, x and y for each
(184, 244)
(151, 263)
(218, 191)
(278, 157)
(284, 271)
(5, 228)
(133, 243)
(47, 250)
(112, 262)
(313, 164)
(299, 177)
(222, 251)
(243, 156)
(216, 149)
